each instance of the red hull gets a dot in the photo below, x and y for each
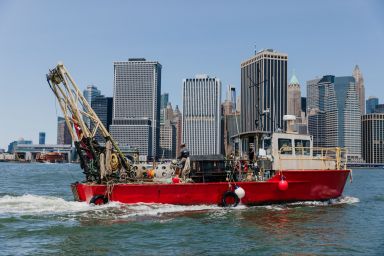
(303, 185)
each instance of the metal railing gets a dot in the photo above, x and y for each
(337, 155)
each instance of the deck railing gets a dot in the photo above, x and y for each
(337, 155)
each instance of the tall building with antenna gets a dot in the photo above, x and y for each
(360, 89)
(264, 91)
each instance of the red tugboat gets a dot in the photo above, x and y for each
(286, 168)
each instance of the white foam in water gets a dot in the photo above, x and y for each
(160, 209)
(337, 201)
(274, 207)
(345, 200)
(45, 205)
(33, 204)
(340, 200)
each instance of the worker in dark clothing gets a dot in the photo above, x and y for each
(183, 155)
(251, 155)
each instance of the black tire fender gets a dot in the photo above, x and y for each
(98, 200)
(229, 194)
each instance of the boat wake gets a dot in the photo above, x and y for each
(26, 205)
(48, 205)
(338, 201)
(36, 205)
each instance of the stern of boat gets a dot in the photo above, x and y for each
(75, 192)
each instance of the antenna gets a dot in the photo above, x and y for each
(258, 121)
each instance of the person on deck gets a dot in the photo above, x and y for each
(251, 155)
(183, 155)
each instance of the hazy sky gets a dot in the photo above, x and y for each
(210, 37)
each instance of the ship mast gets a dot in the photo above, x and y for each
(74, 107)
(260, 113)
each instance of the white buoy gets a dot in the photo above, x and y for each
(240, 192)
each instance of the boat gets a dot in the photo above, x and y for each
(285, 168)
(50, 157)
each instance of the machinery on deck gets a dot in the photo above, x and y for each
(100, 163)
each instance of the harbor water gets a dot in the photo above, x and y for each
(39, 217)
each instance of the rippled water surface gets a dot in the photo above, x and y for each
(39, 217)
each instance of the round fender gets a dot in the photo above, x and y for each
(115, 164)
(98, 200)
(230, 199)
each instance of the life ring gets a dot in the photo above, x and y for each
(98, 200)
(231, 196)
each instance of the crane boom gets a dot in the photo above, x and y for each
(94, 159)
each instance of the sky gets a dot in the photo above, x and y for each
(186, 37)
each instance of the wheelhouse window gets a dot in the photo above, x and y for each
(302, 147)
(267, 143)
(285, 146)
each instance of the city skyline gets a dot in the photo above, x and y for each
(34, 40)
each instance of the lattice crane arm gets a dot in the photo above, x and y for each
(75, 107)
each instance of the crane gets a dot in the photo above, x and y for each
(100, 163)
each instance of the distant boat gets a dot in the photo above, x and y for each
(50, 157)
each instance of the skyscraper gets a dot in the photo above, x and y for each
(231, 121)
(360, 89)
(379, 108)
(294, 97)
(295, 105)
(231, 96)
(164, 100)
(167, 140)
(372, 102)
(201, 115)
(41, 138)
(168, 132)
(178, 122)
(63, 134)
(323, 112)
(313, 94)
(226, 107)
(103, 107)
(334, 114)
(373, 137)
(231, 124)
(304, 104)
(136, 105)
(89, 94)
(163, 105)
(264, 91)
